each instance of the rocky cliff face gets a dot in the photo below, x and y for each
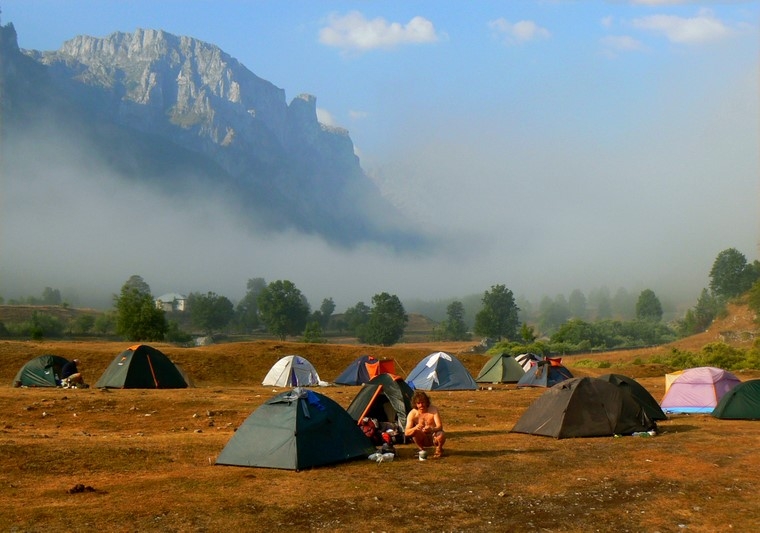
(280, 165)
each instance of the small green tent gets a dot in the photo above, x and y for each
(294, 430)
(42, 371)
(386, 397)
(740, 403)
(501, 368)
(141, 367)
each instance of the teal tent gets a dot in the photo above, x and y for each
(742, 402)
(141, 367)
(501, 368)
(42, 371)
(294, 430)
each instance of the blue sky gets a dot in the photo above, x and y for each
(555, 144)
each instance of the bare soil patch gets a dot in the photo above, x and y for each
(136, 460)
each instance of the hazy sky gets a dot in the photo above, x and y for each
(553, 145)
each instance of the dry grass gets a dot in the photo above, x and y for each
(144, 459)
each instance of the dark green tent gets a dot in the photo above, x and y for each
(583, 407)
(386, 397)
(501, 368)
(639, 393)
(141, 367)
(295, 430)
(42, 371)
(742, 402)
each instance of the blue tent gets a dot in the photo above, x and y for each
(441, 371)
(546, 373)
(356, 373)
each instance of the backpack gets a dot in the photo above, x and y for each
(370, 428)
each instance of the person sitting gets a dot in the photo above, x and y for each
(424, 425)
(71, 376)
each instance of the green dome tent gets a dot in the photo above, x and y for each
(501, 368)
(141, 367)
(294, 430)
(42, 371)
(386, 397)
(740, 403)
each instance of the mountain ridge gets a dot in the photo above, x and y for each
(168, 99)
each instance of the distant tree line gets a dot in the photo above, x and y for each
(558, 325)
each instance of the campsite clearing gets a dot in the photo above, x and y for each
(143, 460)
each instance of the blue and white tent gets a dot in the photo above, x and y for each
(441, 371)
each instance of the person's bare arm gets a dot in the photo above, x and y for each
(411, 423)
(437, 421)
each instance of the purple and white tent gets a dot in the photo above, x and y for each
(698, 390)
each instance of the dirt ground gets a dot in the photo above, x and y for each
(143, 460)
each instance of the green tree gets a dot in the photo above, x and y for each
(326, 310)
(356, 317)
(104, 323)
(498, 317)
(283, 309)
(137, 317)
(730, 275)
(83, 324)
(648, 306)
(528, 333)
(51, 296)
(209, 311)
(454, 327)
(600, 300)
(387, 321)
(313, 333)
(137, 283)
(576, 304)
(624, 304)
(247, 312)
(753, 300)
(552, 313)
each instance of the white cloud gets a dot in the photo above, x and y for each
(518, 32)
(621, 43)
(354, 32)
(702, 28)
(325, 117)
(607, 22)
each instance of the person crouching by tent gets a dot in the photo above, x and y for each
(71, 377)
(424, 425)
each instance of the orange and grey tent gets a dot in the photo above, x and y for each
(386, 398)
(141, 367)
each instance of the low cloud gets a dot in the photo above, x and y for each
(354, 32)
(325, 117)
(518, 32)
